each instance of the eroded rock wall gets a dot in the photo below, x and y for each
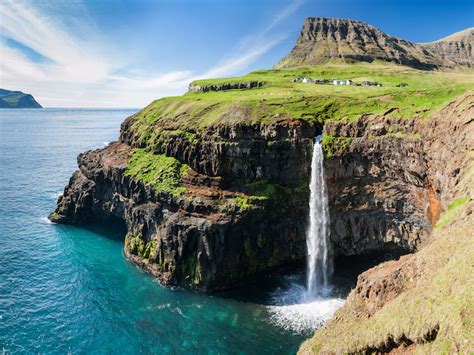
(226, 86)
(380, 195)
(204, 239)
(388, 179)
(237, 152)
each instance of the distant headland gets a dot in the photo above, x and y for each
(17, 99)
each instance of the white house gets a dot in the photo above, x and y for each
(341, 82)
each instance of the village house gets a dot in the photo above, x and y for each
(371, 83)
(303, 80)
(306, 80)
(341, 82)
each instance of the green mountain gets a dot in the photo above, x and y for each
(17, 99)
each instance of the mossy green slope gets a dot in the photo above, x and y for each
(162, 172)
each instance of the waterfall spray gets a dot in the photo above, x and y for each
(319, 262)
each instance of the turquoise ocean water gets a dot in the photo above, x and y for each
(70, 289)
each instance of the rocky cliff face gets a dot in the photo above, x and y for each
(323, 39)
(244, 209)
(457, 48)
(226, 86)
(244, 206)
(422, 301)
(238, 152)
(389, 179)
(380, 193)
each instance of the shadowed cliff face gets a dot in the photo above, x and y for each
(387, 180)
(323, 39)
(379, 187)
(391, 179)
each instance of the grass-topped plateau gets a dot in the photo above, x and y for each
(426, 92)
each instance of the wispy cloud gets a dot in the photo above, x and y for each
(67, 53)
(82, 67)
(286, 12)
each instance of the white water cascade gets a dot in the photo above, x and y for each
(298, 307)
(319, 264)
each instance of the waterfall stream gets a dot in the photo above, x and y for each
(319, 265)
(300, 307)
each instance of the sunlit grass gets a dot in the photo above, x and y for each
(280, 98)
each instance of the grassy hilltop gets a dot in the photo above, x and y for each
(427, 91)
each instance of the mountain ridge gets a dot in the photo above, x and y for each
(324, 39)
(468, 34)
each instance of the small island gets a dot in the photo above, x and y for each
(17, 99)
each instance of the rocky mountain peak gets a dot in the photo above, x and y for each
(325, 39)
(338, 29)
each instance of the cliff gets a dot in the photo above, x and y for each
(457, 48)
(213, 186)
(187, 226)
(17, 99)
(324, 39)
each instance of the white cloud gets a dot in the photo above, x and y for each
(81, 68)
(72, 59)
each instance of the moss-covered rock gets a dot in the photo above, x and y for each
(162, 172)
(332, 145)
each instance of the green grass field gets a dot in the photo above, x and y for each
(427, 92)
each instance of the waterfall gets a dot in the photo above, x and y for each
(319, 263)
(301, 308)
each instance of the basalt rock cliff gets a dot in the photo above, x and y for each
(214, 235)
(324, 39)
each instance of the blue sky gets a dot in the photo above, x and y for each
(125, 53)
